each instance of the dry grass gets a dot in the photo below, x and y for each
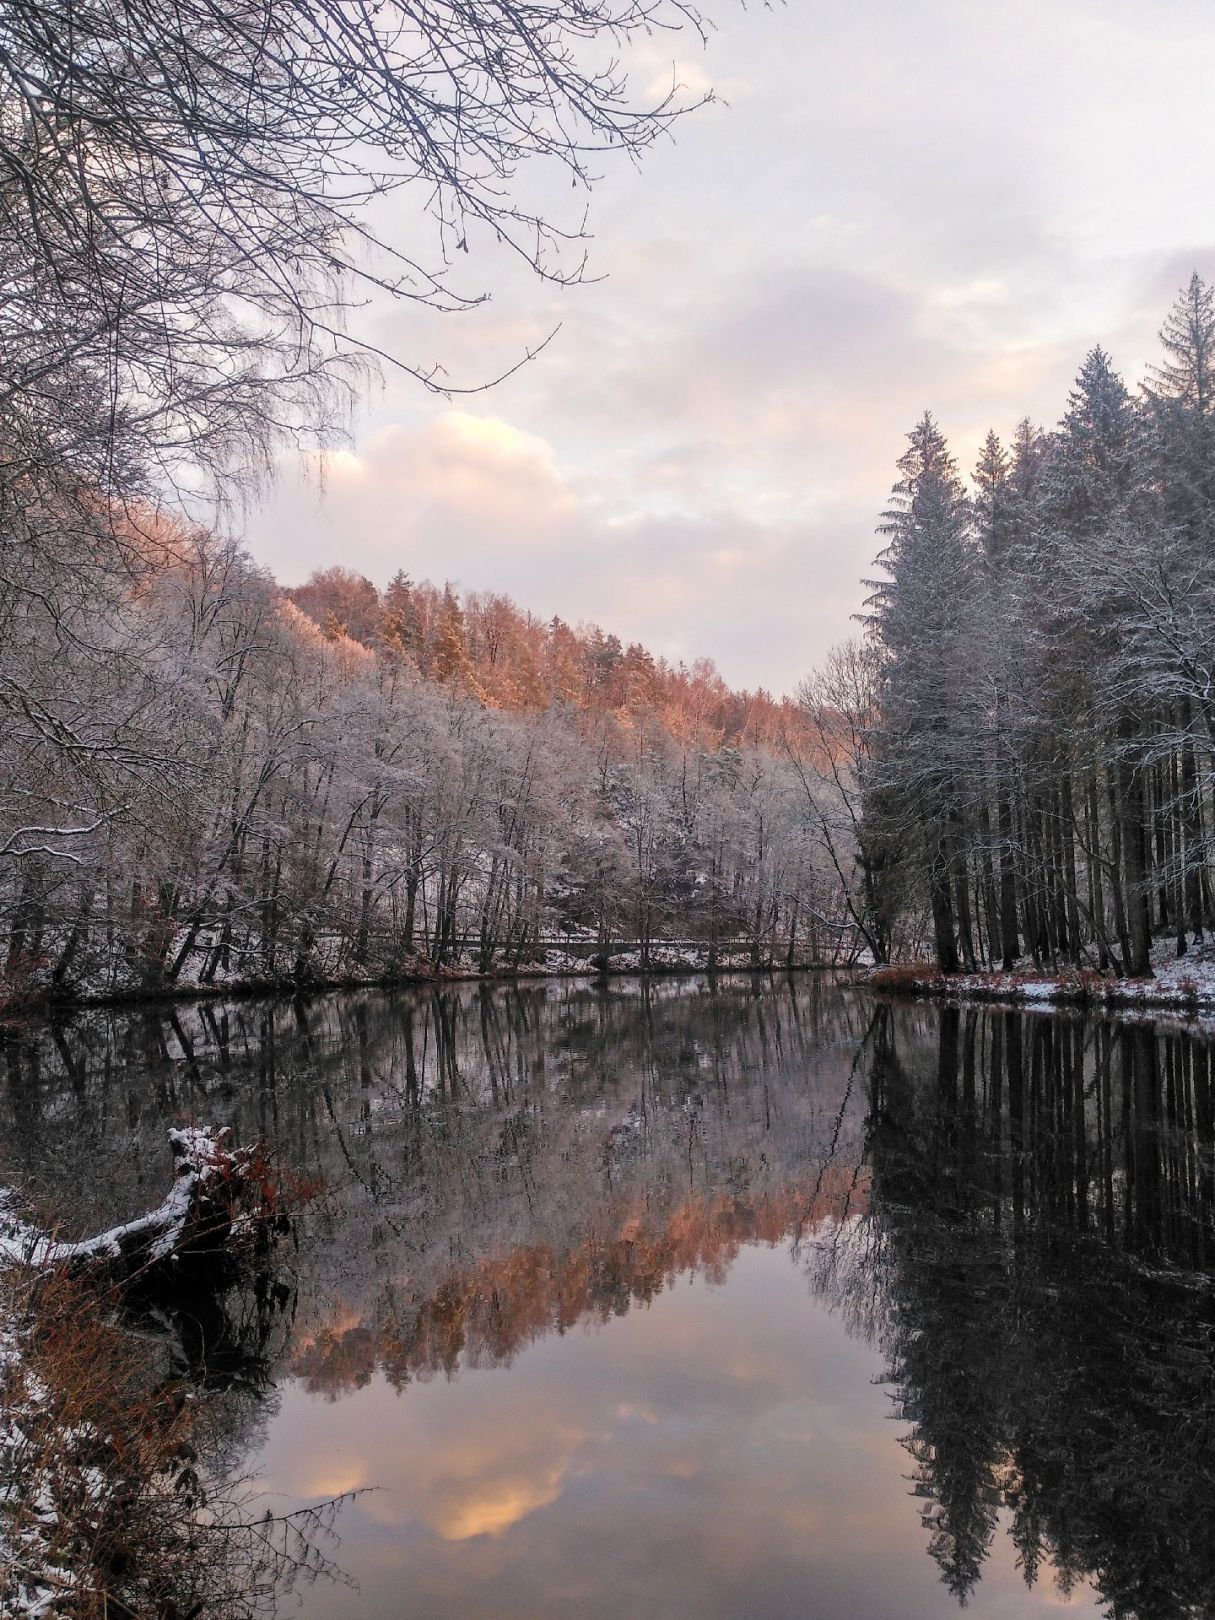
(107, 1511)
(1069, 984)
(906, 978)
(99, 1456)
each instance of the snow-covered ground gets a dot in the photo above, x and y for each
(34, 1583)
(58, 1479)
(331, 968)
(1186, 982)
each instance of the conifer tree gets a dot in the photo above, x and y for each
(1181, 395)
(1097, 514)
(922, 617)
(995, 532)
(452, 665)
(1044, 753)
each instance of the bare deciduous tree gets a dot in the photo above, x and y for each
(186, 199)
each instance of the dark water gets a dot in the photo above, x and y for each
(755, 1299)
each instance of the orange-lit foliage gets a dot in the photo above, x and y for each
(486, 1313)
(510, 659)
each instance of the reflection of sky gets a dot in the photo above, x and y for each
(724, 1453)
(941, 204)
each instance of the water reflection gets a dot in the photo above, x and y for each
(725, 1452)
(1000, 1225)
(1042, 1228)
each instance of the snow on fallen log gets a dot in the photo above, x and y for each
(218, 1193)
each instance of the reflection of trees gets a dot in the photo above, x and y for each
(540, 1144)
(1042, 1199)
(1033, 1254)
(483, 1314)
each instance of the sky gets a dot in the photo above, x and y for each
(725, 1450)
(892, 208)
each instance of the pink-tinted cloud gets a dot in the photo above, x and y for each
(902, 207)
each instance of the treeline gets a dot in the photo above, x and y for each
(195, 783)
(1038, 708)
(256, 798)
(486, 646)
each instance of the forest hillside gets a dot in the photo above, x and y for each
(218, 782)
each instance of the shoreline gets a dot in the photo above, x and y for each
(56, 1006)
(1176, 991)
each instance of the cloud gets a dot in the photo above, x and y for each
(484, 504)
(475, 481)
(938, 206)
(726, 1451)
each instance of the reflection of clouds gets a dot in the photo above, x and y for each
(457, 1472)
(322, 1480)
(724, 1452)
(476, 1479)
(497, 1504)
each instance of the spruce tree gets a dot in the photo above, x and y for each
(1181, 396)
(922, 617)
(1097, 518)
(995, 532)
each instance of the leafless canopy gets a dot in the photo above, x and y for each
(186, 191)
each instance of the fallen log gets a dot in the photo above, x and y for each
(219, 1201)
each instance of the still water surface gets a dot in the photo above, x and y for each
(751, 1298)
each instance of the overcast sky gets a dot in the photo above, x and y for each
(902, 206)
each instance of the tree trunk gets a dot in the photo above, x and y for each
(1134, 859)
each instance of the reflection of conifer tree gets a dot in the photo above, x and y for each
(946, 1295)
(1045, 1356)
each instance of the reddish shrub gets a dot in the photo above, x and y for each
(906, 977)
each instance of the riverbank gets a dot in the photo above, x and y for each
(1184, 984)
(32, 999)
(119, 1354)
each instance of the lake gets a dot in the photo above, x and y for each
(748, 1297)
